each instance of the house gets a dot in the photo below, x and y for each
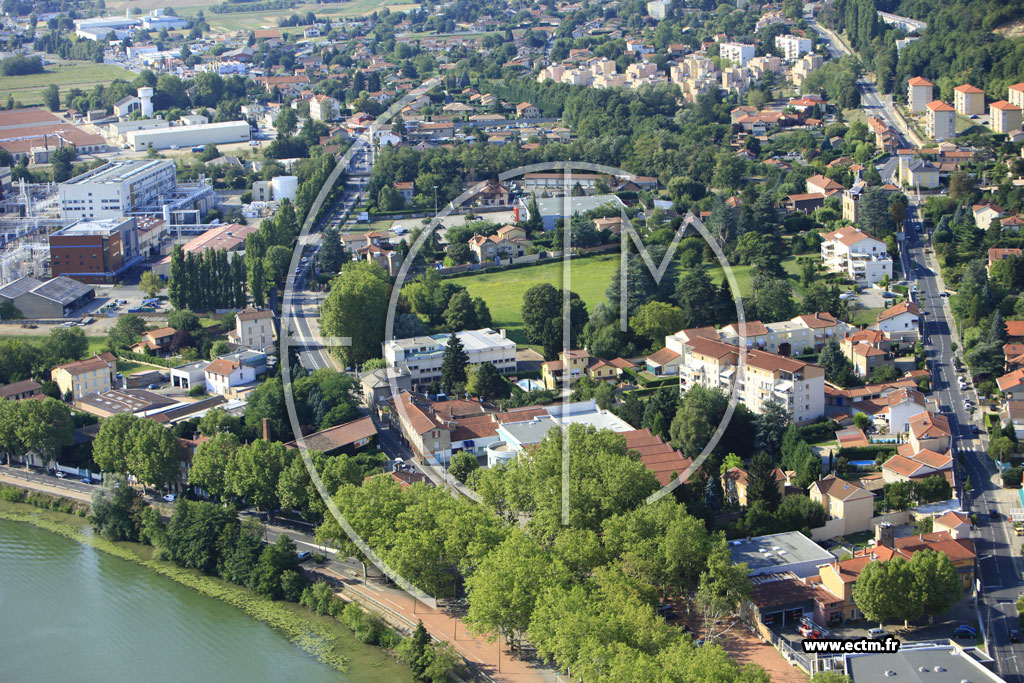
(509, 243)
(867, 350)
(900, 321)
(324, 108)
(968, 100)
(819, 184)
(940, 121)
(405, 188)
(734, 483)
(985, 213)
(663, 362)
(348, 438)
(19, 391)
(1012, 386)
(893, 412)
(577, 363)
(803, 202)
(998, 254)
(1013, 355)
(919, 94)
(846, 502)
(493, 193)
(223, 376)
(159, 342)
(918, 173)
(929, 431)
(254, 329)
(525, 110)
(850, 250)
(1011, 224)
(665, 462)
(90, 376)
(1004, 116)
(378, 386)
(955, 523)
(1013, 414)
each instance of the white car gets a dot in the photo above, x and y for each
(169, 498)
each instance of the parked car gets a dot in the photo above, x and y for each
(965, 631)
(60, 475)
(170, 498)
(304, 555)
(153, 386)
(993, 515)
(1014, 635)
(877, 633)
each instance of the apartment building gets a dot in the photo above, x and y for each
(864, 259)
(1005, 116)
(82, 377)
(116, 188)
(919, 94)
(737, 53)
(968, 100)
(940, 121)
(422, 356)
(1015, 94)
(797, 386)
(254, 329)
(792, 47)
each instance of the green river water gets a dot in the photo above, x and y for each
(69, 612)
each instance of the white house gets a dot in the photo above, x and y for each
(254, 329)
(222, 375)
(864, 259)
(900, 320)
(324, 108)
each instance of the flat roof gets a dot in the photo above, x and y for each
(777, 550)
(934, 663)
(125, 401)
(120, 171)
(93, 226)
(555, 206)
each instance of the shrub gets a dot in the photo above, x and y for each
(12, 494)
(1012, 477)
(197, 390)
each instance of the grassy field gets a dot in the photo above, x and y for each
(248, 21)
(503, 290)
(84, 75)
(96, 344)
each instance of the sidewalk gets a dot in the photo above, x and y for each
(492, 659)
(51, 489)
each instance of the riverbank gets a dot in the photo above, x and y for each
(324, 637)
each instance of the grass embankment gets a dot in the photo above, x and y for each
(323, 637)
(72, 74)
(96, 344)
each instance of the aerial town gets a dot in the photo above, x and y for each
(466, 340)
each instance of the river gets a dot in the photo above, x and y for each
(69, 612)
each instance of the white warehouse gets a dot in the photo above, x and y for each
(221, 133)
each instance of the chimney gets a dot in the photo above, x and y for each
(885, 535)
(266, 429)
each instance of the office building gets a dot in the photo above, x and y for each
(116, 188)
(95, 251)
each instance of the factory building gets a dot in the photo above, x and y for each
(116, 188)
(37, 300)
(95, 251)
(222, 133)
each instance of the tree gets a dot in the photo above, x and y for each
(278, 564)
(460, 314)
(761, 483)
(51, 97)
(723, 587)
(44, 428)
(126, 331)
(116, 508)
(936, 582)
(932, 489)
(882, 590)
(137, 446)
(252, 472)
(837, 367)
(184, 320)
(453, 366)
(505, 587)
(656, 320)
(209, 464)
(286, 122)
(66, 344)
(771, 425)
(357, 308)
(899, 495)
(540, 303)
(151, 284)
(462, 464)
(772, 298)
(486, 382)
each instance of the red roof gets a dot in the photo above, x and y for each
(917, 80)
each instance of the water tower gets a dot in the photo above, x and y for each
(146, 95)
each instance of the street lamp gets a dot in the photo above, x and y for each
(435, 201)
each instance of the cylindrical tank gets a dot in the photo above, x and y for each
(284, 187)
(146, 95)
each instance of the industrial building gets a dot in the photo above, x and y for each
(222, 133)
(230, 238)
(275, 189)
(37, 300)
(116, 188)
(95, 251)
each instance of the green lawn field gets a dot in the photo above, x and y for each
(249, 21)
(96, 344)
(29, 89)
(503, 290)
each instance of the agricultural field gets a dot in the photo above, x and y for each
(503, 290)
(29, 89)
(249, 21)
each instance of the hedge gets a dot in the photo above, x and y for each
(657, 382)
(641, 392)
(868, 452)
(818, 431)
(152, 360)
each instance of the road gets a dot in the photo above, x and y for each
(871, 101)
(998, 567)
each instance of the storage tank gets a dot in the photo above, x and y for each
(284, 187)
(146, 95)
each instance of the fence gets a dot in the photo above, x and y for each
(781, 644)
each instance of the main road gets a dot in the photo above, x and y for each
(998, 568)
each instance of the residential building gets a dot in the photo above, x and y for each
(819, 184)
(994, 254)
(254, 329)
(422, 356)
(863, 259)
(892, 412)
(956, 524)
(324, 108)
(795, 337)
(224, 376)
(90, 376)
(968, 100)
(510, 242)
(735, 480)
(658, 9)
(56, 298)
(940, 121)
(930, 431)
(792, 47)
(577, 364)
(901, 321)
(525, 110)
(1015, 95)
(848, 504)
(985, 213)
(737, 53)
(918, 173)
(19, 391)
(867, 350)
(919, 94)
(908, 465)
(766, 377)
(159, 342)
(1005, 117)
(348, 438)
(1011, 385)
(116, 188)
(376, 385)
